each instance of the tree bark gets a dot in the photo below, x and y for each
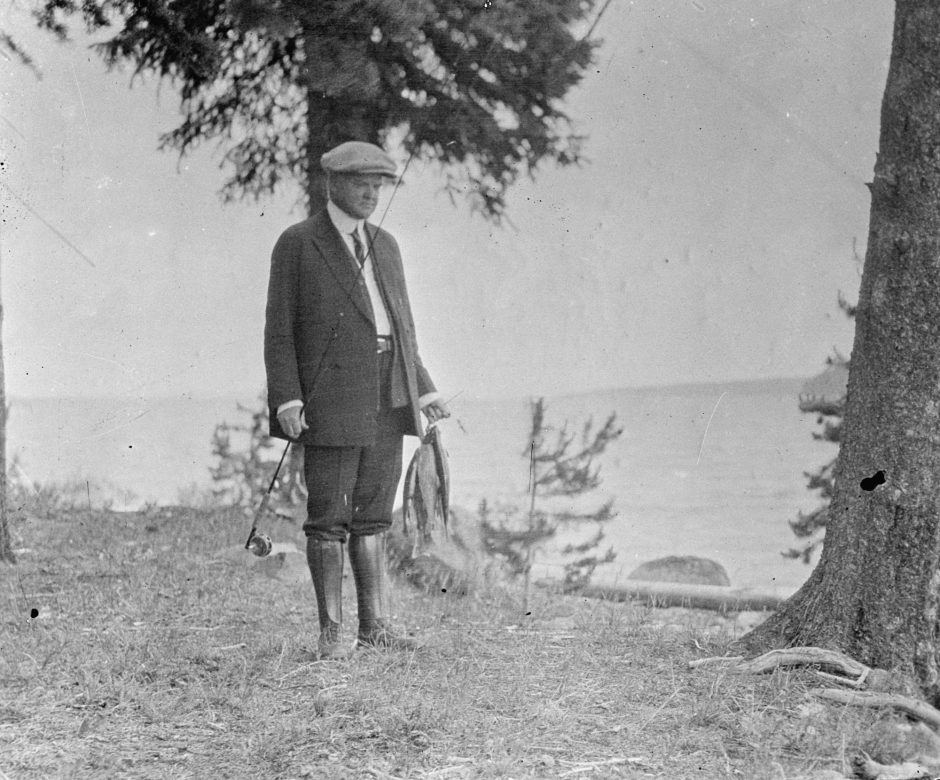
(6, 543)
(317, 145)
(875, 593)
(341, 85)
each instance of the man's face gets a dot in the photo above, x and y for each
(356, 193)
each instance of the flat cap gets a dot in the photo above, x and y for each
(358, 157)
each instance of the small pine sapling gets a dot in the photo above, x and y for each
(560, 467)
(811, 526)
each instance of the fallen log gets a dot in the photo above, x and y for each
(673, 594)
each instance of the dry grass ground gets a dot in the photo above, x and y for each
(155, 651)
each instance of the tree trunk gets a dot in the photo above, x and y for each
(6, 543)
(342, 83)
(317, 144)
(875, 593)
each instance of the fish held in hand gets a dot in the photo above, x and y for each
(426, 494)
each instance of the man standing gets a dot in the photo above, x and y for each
(345, 380)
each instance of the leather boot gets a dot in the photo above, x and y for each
(325, 559)
(367, 557)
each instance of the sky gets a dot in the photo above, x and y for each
(706, 237)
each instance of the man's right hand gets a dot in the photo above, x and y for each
(292, 421)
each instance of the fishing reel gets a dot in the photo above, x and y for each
(259, 544)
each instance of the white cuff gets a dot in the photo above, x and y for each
(289, 405)
(428, 398)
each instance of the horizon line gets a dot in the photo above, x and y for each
(254, 395)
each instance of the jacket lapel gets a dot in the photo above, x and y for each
(342, 264)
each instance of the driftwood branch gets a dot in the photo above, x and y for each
(830, 665)
(916, 708)
(807, 656)
(868, 769)
(714, 660)
(857, 683)
(854, 674)
(850, 671)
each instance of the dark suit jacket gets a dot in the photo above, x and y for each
(320, 338)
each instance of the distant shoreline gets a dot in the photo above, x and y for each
(783, 385)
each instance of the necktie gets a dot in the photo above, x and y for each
(360, 250)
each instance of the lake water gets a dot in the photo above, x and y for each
(709, 470)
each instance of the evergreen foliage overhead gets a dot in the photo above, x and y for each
(475, 85)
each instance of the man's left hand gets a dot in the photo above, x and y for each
(436, 410)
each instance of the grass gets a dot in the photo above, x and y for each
(146, 646)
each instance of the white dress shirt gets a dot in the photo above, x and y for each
(346, 224)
